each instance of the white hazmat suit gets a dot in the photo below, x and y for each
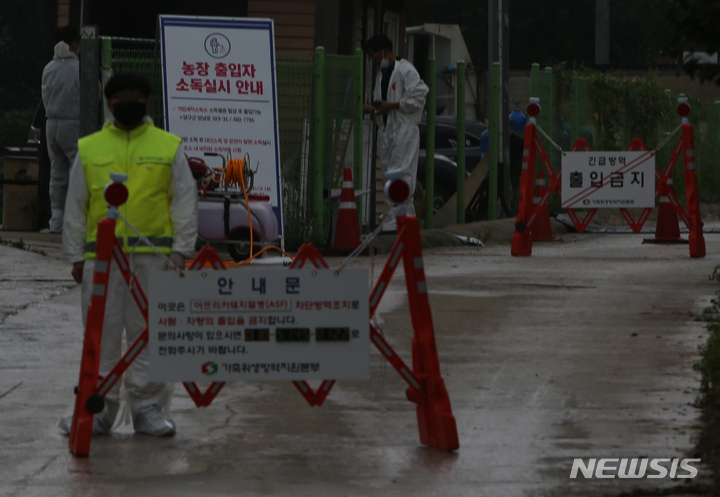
(121, 311)
(398, 140)
(61, 97)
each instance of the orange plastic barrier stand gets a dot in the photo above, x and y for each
(426, 388)
(527, 212)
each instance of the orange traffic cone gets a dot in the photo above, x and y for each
(667, 229)
(540, 228)
(347, 227)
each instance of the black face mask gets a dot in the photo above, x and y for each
(129, 114)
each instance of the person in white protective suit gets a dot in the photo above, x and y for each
(398, 101)
(162, 206)
(61, 97)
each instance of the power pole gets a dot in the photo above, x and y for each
(90, 95)
(602, 32)
(499, 51)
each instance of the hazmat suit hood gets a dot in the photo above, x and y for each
(61, 84)
(62, 51)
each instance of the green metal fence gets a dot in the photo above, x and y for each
(338, 114)
(306, 156)
(570, 110)
(295, 84)
(139, 55)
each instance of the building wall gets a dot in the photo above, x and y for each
(294, 22)
(63, 18)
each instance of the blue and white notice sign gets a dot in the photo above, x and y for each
(220, 94)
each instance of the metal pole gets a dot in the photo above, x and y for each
(504, 109)
(492, 46)
(89, 81)
(106, 73)
(319, 142)
(535, 81)
(494, 144)
(550, 113)
(358, 132)
(575, 109)
(602, 32)
(460, 99)
(430, 146)
(498, 52)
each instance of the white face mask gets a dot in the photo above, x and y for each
(384, 63)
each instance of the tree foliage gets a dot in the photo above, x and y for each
(629, 108)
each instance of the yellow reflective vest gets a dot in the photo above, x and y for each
(146, 155)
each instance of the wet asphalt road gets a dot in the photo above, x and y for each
(584, 350)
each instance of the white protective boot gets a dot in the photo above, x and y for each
(151, 420)
(102, 421)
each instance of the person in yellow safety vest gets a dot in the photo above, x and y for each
(162, 206)
(398, 101)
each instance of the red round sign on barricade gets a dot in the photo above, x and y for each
(116, 194)
(397, 190)
(684, 109)
(533, 110)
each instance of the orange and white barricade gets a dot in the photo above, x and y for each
(426, 388)
(528, 212)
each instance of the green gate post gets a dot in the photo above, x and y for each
(535, 81)
(106, 58)
(550, 112)
(461, 142)
(90, 94)
(319, 145)
(358, 133)
(575, 109)
(714, 122)
(494, 142)
(106, 47)
(430, 146)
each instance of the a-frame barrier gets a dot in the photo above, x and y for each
(426, 388)
(528, 213)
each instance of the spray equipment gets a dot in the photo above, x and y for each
(233, 173)
(239, 174)
(207, 178)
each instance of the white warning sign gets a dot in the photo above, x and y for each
(259, 324)
(608, 179)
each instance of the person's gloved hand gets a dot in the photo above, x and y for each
(178, 259)
(77, 271)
